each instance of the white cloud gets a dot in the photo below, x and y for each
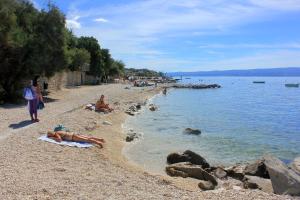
(35, 4)
(101, 20)
(73, 23)
(251, 46)
(138, 28)
(278, 4)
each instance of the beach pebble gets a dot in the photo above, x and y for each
(206, 185)
(107, 123)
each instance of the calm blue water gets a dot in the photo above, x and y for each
(239, 122)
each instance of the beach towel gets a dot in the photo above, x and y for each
(66, 143)
(90, 106)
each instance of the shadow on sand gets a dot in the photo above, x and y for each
(21, 124)
(49, 100)
(24, 103)
(12, 106)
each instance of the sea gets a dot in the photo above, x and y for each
(240, 122)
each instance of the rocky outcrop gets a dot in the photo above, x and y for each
(197, 86)
(191, 131)
(186, 169)
(188, 156)
(268, 174)
(255, 182)
(284, 180)
(258, 168)
(296, 165)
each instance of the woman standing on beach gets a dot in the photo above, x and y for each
(33, 101)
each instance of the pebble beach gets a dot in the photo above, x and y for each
(34, 169)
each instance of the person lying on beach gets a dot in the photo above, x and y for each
(59, 136)
(101, 106)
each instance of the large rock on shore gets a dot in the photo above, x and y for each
(206, 185)
(296, 165)
(187, 156)
(191, 131)
(258, 168)
(284, 180)
(186, 169)
(255, 182)
(219, 172)
(237, 172)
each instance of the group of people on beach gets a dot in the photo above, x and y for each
(33, 95)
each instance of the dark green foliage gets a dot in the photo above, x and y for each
(92, 46)
(117, 68)
(78, 58)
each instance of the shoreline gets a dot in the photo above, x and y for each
(33, 169)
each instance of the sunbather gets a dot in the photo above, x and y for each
(59, 136)
(101, 106)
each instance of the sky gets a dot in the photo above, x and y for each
(190, 35)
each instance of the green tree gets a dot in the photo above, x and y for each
(48, 48)
(92, 46)
(78, 58)
(31, 42)
(14, 36)
(117, 68)
(106, 63)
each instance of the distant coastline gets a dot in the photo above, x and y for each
(272, 72)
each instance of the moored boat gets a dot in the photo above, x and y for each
(259, 82)
(292, 85)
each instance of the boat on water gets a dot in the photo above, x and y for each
(292, 85)
(259, 81)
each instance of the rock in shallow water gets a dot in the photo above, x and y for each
(131, 136)
(152, 107)
(191, 131)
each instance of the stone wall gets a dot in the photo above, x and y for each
(67, 79)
